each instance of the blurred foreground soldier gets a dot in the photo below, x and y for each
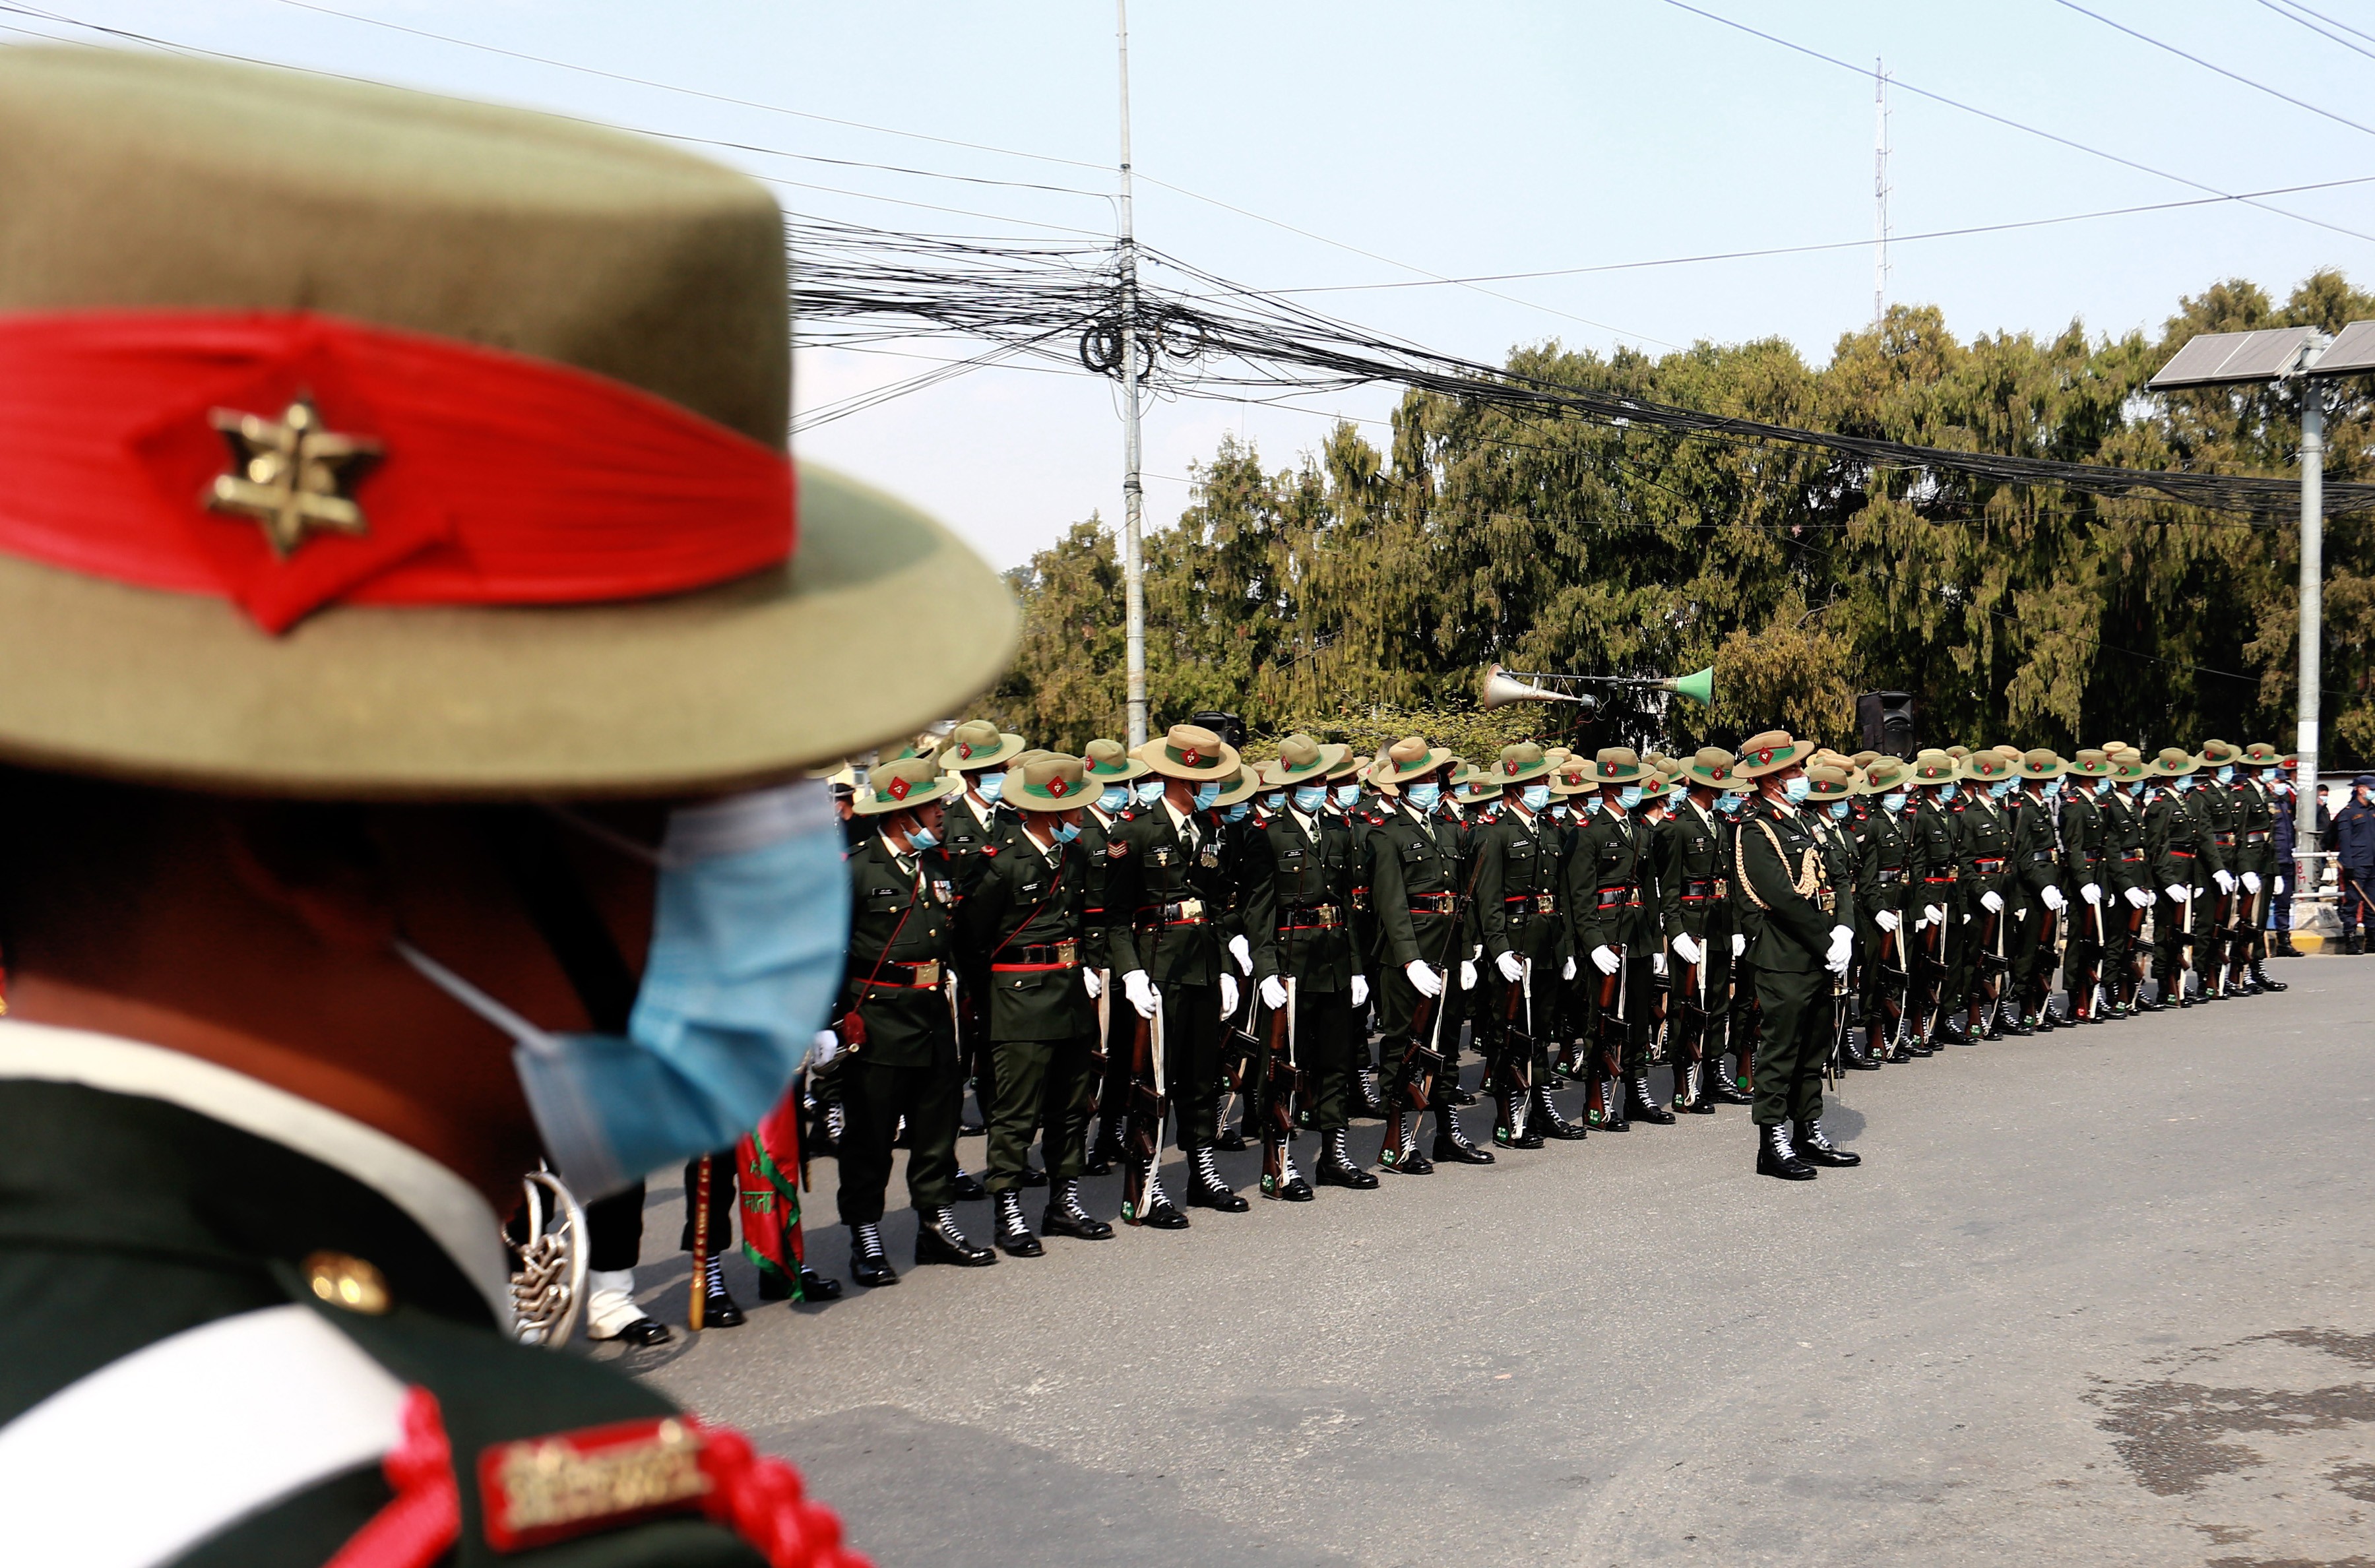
(896, 1027)
(1025, 917)
(408, 789)
(1800, 950)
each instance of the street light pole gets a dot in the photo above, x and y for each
(1133, 489)
(2312, 597)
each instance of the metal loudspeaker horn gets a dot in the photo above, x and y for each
(1501, 689)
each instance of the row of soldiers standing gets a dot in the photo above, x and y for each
(1122, 945)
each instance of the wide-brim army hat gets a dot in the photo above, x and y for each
(1655, 786)
(1713, 767)
(2039, 765)
(902, 784)
(978, 745)
(2220, 754)
(1885, 775)
(2170, 761)
(1189, 751)
(2130, 765)
(1108, 762)
(1247, 784)
(1614, 766)
(1986, 767)
(1934, 767)
(1049, 783)
(1825, 781)
(2259, 754)
(1407, 761)
(1769, 753)
(2091, 763)
(392, 446)
(1301, 756)
(1519, 764)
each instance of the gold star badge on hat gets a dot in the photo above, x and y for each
(292, 475)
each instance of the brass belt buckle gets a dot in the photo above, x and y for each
(926, 972)
(1067, 951)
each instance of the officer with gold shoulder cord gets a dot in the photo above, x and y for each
(431, 633)
(1801, 950)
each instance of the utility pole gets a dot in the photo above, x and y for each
(1879, 193)
(2312, 599)
(1133, 489)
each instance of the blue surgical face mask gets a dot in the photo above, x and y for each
(1840, 810)
(1561, 811)
(1310, 797)
(1149, 791)
(1629, 797)
(1535, 797)
(2001, 789)
(1795, 789)
(1948, 790)
(1424, 796)
(1274, 801)
(1348, 796)
(990, 786)
(2052, 789)
(1208, 795)
(749, 925)
(1590, 803)
(1115, 797)
(2182, 782)
(1064, 833)
(1238, 812)
(1892, 803)
(922, 837)
(2102, 786)
(2226, 775)
(1730, 802)
(2136, 789)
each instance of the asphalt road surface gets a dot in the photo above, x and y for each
(2104, 1296)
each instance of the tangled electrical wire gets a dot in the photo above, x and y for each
(1064, 302)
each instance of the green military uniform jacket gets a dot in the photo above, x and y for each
(2124, 864)
(1414, 889)
(2255, 825)
(2082, 847)
(1603, 886)
(2036, 849)
(2172, 843)
(1985, 849)
(1933, 858)
(1688, 850)
(151, 1202)
(1024, 928)
(902, 937)
(1096, 851)
(1884, 848)
(1517, 888)
(2213, 807)
(1298, 873)
(1782, 871)
(964, 836)
(1839, 864)
(1167, 895)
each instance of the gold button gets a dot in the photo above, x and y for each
(348, 1282)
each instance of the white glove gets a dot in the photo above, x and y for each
(1468, 974)
(1936, 913)
(2225, 880)
(825, 1048)
(1842, 945)
(1739, 943)
(1567, 970)
(1604, 959)
(1692, 952)
(2279, 889)
(1273, 993)
(1092, 984)
(1360, 990)
(1992, 901)
(1512, 968)
(2139, 897)
(1657, 963)
(2251, 881)
(1428, 981)
(2092, 892)
(1243, 951)
(1228, 995)
(1923, 922)
(2177, 891)
(1837, 965)
(2053, 897)
(1886, 919)
(1140, 992)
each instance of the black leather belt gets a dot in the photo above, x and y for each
(1186, 911)
(1545, 903)
(908, 976)
(1890, 875)
(1432, 903)
(1054, 955)
(1323, 918)
(1616, 898)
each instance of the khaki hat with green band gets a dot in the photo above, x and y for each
(902, 783)
(2259, 754)
(2036, 767)
(2171, 761)
(2219, 754)
(1049, 783)
(1247, 784)
(1986, 767)
(2091, 763)
(1301, 756)
(1521, 764)
(1934, 767)
(1885, 775)
(1616, 766)
(1825, 782)
(1712, 767)
(1108, 762)
(1406, 761)
(1769, 753)
(976, 745)
(1189, 751)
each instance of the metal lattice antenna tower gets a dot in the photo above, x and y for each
(1879, 193)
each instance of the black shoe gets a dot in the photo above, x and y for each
(964, 1129)
(1406, 1160)
(1724, 1090)
(1033, 1176)
(2260, 978)
(1155, 1211)
(1554, 1126)
(1231, 1140)
(1952, 1032)
(1451, 1145)
(1013, 1234)
(869, 1265)
(968, 1186)
(1462, 1096)
(1639, 1107)
(814, 1287)
(1207, 1190)
(718, 1310)
(2019, 1027)
(644, 1332)
(1514, 1136)
(938, 1240)
(1775, 1157)
(2285, 949)
(1857, 1058)
(1337, 1169)
(1287, 1186)
(1065, 1216)
(1816, 1149)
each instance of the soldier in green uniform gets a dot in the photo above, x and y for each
(1346, 808)
(896, 1023)
(1885, 907)
(1933, 868)
(1025, 925)
(1829, 813)
(1802, 948)
(2212, 801)
(978, 754)
(1161, 893)
(1517, 904)
(1111, 770)
(1985, 847)
(2256, 866)
(1298, 876)
(1695, 915)
(1610, 933)
(411, 792)
(2173, 850)
(2127, 878)
(2040, 898)
(1417, 893)
(2084, 873)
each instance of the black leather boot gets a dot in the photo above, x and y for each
(814, 1287)
(1406, 1160)
(1451, 1145)
(1288, 1185)
(718, 1310)
(1014, 1237)
(1816, 1149)
(1551, 1125)
(1696, 1097)
(1207, 1190)
(939, 1239)
(1367, 1105)
(968, 1186)
(1065, 1216)
(1775, 1157)
(869, 1265)
(1724, 1088)
(2260, 978)
(1857, 1058)
(1155, 1210)
(1336, 1168)
(1639, 1107)
(1514, 1128)
(1952, 1031)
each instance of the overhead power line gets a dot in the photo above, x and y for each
(2213, 66)
(2302, 15)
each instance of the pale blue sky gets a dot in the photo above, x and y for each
(1474, 138)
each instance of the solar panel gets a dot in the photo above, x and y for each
(2217, 359)
(2353, 350)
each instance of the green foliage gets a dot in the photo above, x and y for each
(1360, 592)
